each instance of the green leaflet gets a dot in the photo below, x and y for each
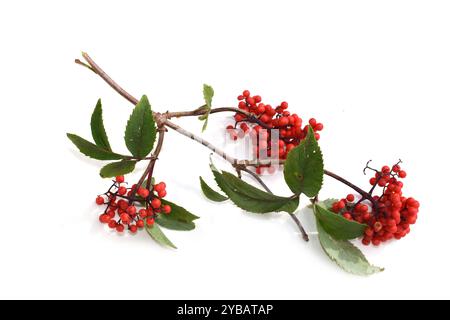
(179, 218)
(250, 198)
(303, 169)
(93, 151)
(208, 94)
(156, 233)
(210, 193)
(337, 226)
(97, 128)
(345, 254)
(117, 168)
(140, 133)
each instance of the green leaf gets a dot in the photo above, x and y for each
(336, 225)
(210, 193)
(345, 254)
(117, 168)
(178, 219)
(93, 151)
(250, 198)
(97, 128)
(208, 94)
(303, 169)
(156, 233)
(140, 133)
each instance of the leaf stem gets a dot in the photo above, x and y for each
(149, 170)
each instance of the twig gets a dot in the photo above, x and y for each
(202, 110)
(162, 119)
(149, 170)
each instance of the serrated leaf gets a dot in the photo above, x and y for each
(117, 168)
(156, 233)
(303, 169)
(345, 254)
(98, 129)
(337, 226)
(210, 193)
(250, 198)
(208, 93)
(179, 218)
(91, 150)
(140, 133)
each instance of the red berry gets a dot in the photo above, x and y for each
(377, 226)
(143, 213)
(156, 203)
(347, 216)
(162, 194)
(284, 121)
(250, 101)
(402, 174)
(144, 193)
(246, 93)
(350, 198)
(126, 219)
(120, 179)
(112, 224)
(133, 228)
(122, 191)
(167, 209)
(284, 105)
(123, 204)
(131, 210)
(120, 228)
(104, 218)
(312, 122)
(159, 187)
(100, 200)
(150, 221)
(140, 223)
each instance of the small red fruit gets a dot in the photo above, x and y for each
(167, 209)
(100, 200)
(140, 223)
(133, 228)
(156, 203)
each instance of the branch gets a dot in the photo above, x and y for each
(162, 120)
(202, 110)
(94, 67)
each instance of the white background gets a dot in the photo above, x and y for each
(376, 73)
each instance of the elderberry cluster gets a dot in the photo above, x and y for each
(290, 127)
(389, 215)
(132, 207)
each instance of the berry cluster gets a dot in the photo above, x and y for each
(134, 207)
(387, 216)
(289, 126)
